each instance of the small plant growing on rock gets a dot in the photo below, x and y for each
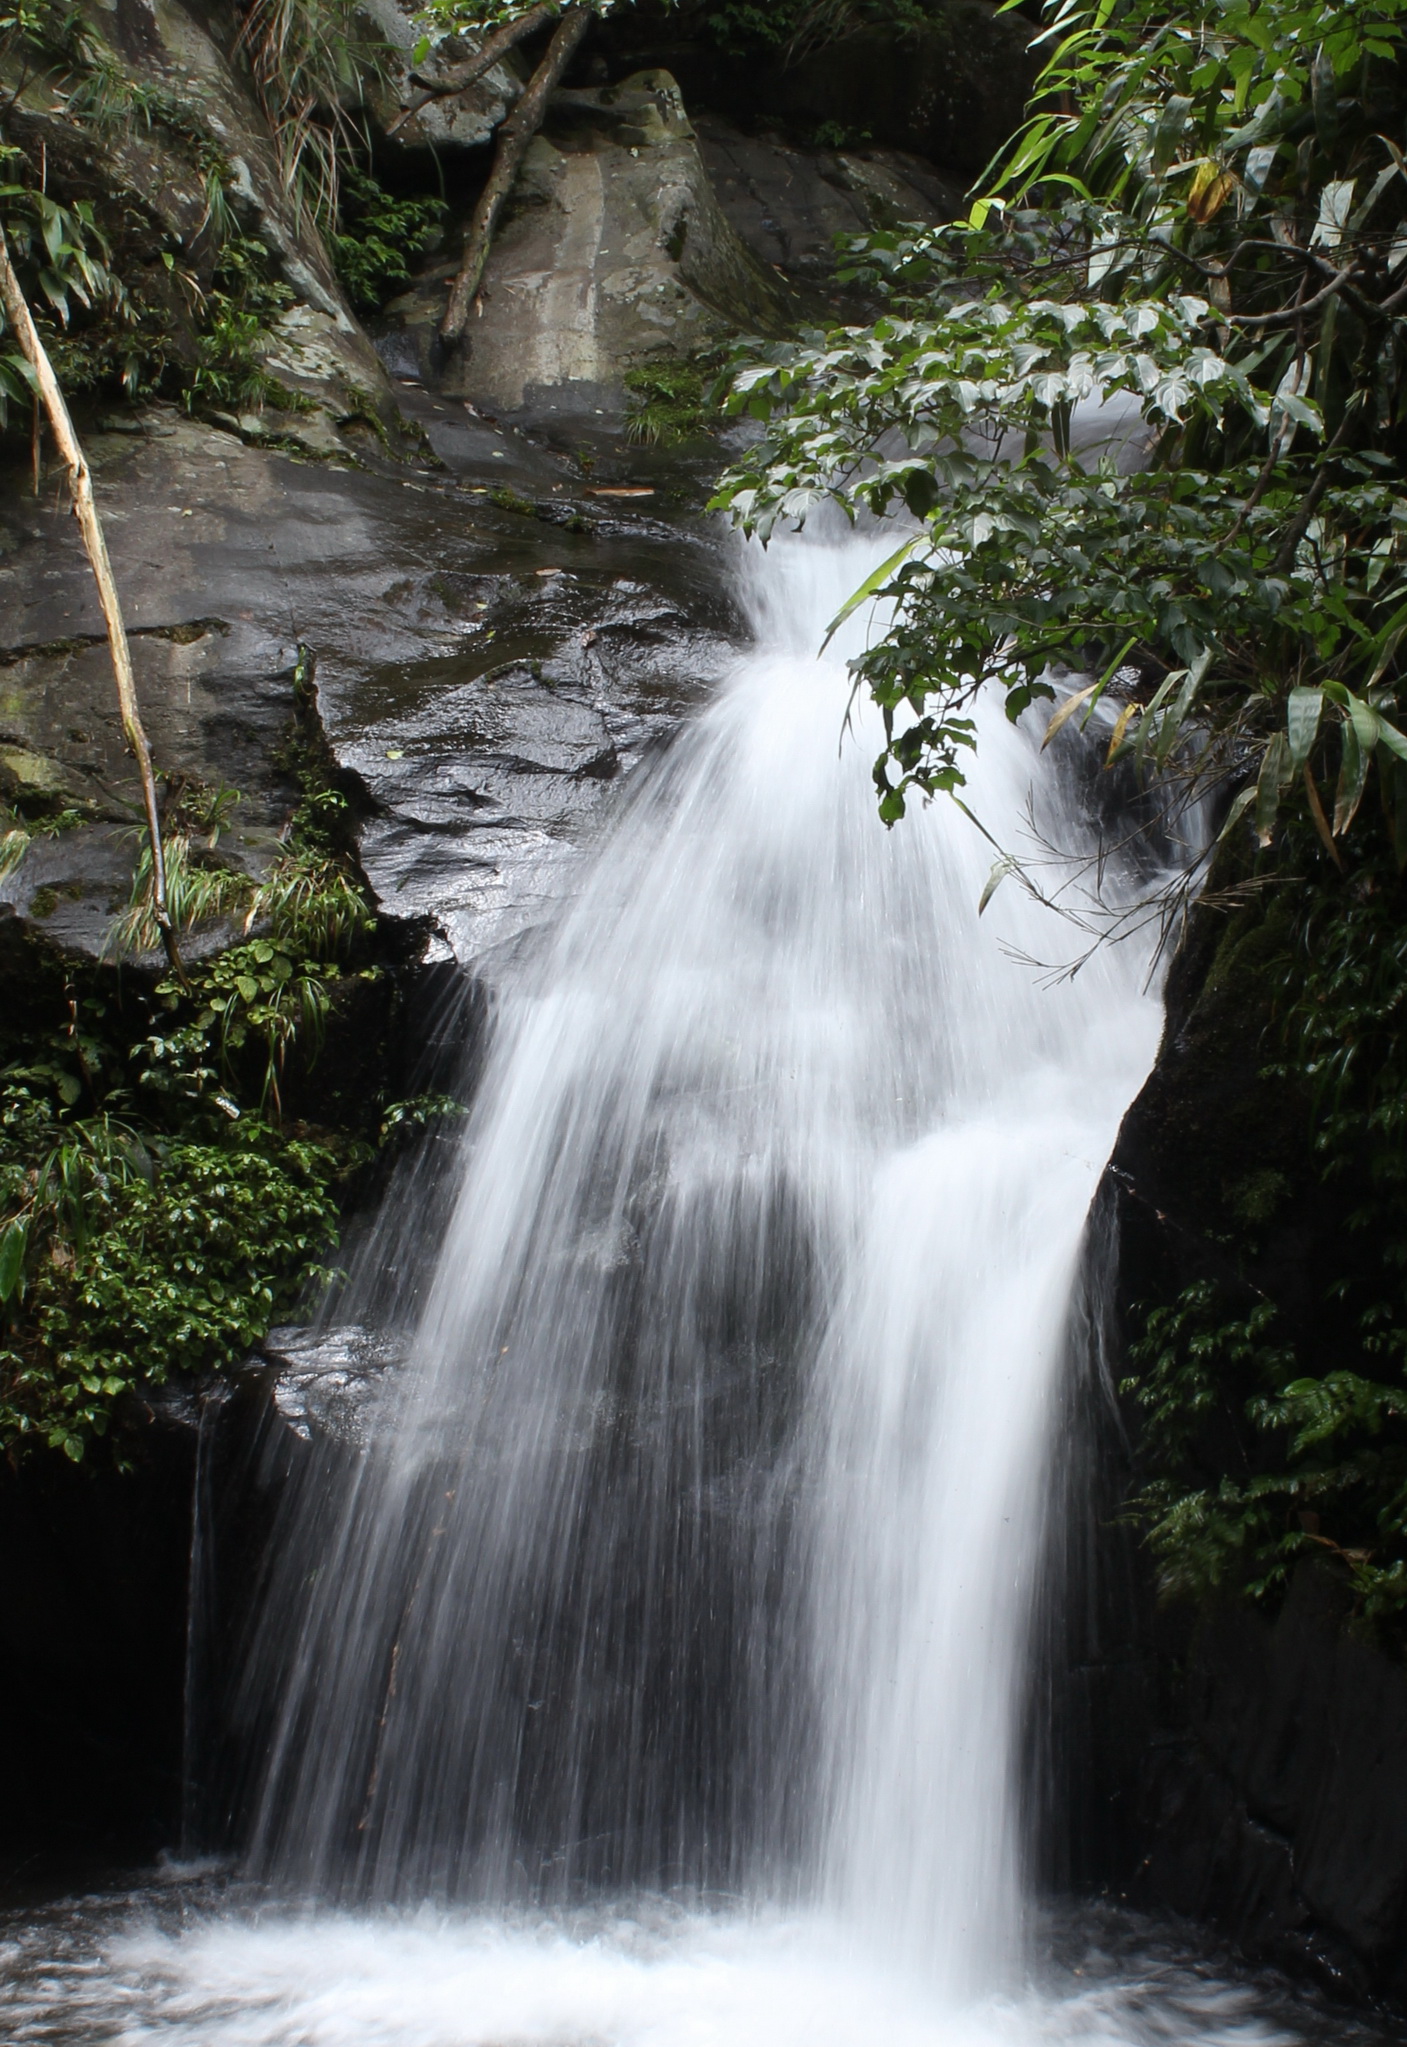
(379, 238)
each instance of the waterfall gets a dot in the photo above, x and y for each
(695, 1550)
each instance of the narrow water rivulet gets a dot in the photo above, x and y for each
(659, 1680)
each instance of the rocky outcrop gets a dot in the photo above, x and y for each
(950, 92)
(186, 138)
(615, 253)
(1280, 1813)
(494, 649)
(788, 205)
(411, 120)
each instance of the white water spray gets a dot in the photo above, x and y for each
(697, 1550)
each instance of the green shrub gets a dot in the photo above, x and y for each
(379, 238)
(127, 1257)
(1274, 1427)
(671, 402)
(158, 1207)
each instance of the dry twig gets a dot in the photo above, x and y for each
(80, 484)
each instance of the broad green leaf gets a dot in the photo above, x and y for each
(1302, 714)
(1274, 777)
(1353, 775)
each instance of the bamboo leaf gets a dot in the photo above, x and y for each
(1238, 810)
(13, 1245)
(1392, 739)
(1000, 870)
(1147, 724)
(1275, 773)
(871, 587)
(1387, 643)
(1121, 726)
(1302, 715)
(1321, 823)
(1175, 716)
(1353, 774)
(1366, 722)
(1335, 204)
(1067, 711)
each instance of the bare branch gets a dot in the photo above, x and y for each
(513, 139)
(485, 57)
(1288, 317)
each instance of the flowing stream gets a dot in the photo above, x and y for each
(659, 1682)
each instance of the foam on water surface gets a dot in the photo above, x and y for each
(143, 1970)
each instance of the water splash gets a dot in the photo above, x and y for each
(199, 1970)
(697, 1551)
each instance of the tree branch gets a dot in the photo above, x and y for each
(513, 139)
(80, 484)
(485, 57)
(1285, 554)
(1288, 317)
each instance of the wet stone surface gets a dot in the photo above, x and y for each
(497, 640)
(328, 1380)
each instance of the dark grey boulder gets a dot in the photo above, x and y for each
(479, 711)
(326, 1383)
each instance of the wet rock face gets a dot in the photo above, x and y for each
(491, 658)
(1283, 1815)
(1247, 1770)
(182, 57)
(326, 1382)
(787, 205)
(93, 1641)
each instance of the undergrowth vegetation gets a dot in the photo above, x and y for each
(1274, 1402)
(671, 402)
(128, 303)
(379, 238)
(173, 1161)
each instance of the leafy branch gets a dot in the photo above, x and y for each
(1142, 407)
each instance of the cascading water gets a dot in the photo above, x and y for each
(697, 1549)
(684, 1592)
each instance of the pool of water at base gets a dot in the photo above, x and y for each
(195, 1960)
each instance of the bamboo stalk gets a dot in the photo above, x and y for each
(80, 484)
(513, 139)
